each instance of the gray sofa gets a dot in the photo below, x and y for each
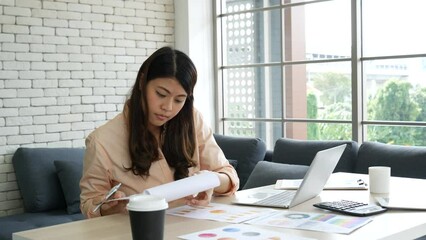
(48, 178)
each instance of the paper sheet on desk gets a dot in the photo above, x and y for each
(335, 182)
(332, 223)
(185, 187)
(240, 231)
(220, 212)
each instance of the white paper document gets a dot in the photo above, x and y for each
(185, 186)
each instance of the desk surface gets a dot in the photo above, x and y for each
(394, 224)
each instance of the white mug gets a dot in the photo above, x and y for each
(379, 179)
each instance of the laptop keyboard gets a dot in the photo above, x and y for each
(280, 199)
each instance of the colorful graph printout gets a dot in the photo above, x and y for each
(220, 212)
(312, 221)
(240, 232)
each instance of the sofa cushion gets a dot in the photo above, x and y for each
(69, 173)
(405, 161)
(267, 173)
(246, 151)
(37, 179)
(302, 152)
(27, 221)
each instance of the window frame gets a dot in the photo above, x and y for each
(358, 121)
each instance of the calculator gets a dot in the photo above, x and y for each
(351, 207)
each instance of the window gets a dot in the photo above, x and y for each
(288, 69)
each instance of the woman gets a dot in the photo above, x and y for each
(158, 138)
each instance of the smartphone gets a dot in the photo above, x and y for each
(109, 194)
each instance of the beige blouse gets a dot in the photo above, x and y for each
(107, 156)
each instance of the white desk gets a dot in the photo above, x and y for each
(394, 224)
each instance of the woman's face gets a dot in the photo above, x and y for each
(165, 98)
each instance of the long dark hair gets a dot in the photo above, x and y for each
(179, 137)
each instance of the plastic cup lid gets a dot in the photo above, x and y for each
(141, 202)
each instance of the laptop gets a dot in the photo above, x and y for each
(312, 184)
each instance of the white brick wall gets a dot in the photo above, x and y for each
(66, 67)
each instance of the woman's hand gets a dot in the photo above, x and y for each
(112, 207)
(200, 199)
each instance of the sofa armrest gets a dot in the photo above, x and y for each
(245, 150)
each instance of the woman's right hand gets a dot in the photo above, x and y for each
(112, 207)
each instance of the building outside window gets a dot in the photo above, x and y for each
(322, 70)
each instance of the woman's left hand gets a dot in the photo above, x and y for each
(201, 199)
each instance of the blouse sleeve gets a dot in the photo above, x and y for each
(96, 180)
(211, 156)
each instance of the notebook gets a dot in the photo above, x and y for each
(312, 184)
(337, 181)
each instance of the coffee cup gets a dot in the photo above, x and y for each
(379, 179)
(147, 216)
